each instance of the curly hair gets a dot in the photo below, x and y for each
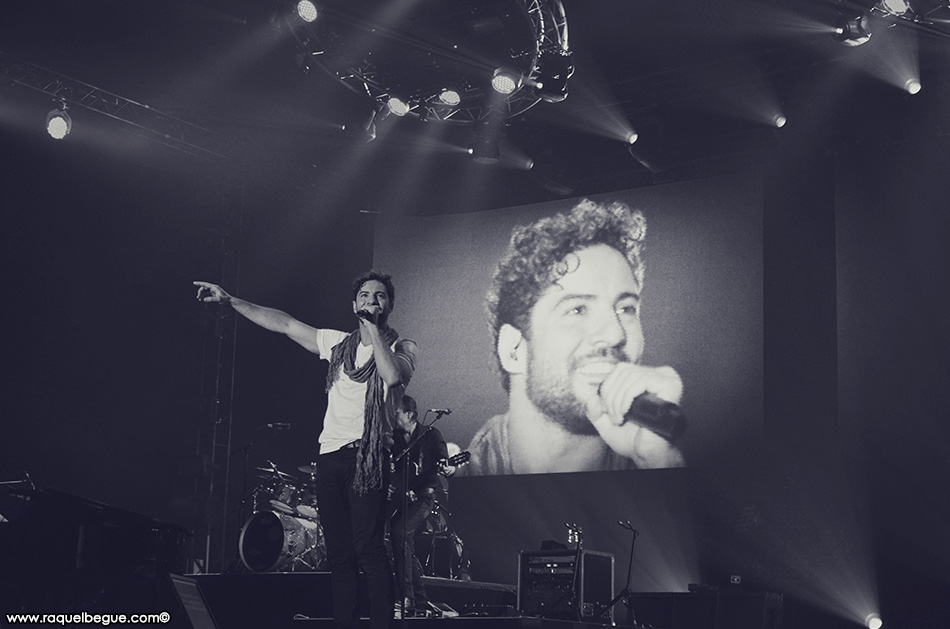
(383, 278)
(535, 257)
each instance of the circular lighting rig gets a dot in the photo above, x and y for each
(379, 48)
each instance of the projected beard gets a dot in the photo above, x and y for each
(551, 387)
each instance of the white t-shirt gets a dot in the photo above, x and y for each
(346, 401)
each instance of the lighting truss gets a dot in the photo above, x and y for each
(383, 55)
(153, 124)
(930, 16)
(930, 11)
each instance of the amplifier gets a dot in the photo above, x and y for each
(553, 584)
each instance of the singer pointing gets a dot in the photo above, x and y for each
(369, 369)
(564, 307)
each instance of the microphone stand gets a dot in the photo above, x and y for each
(410, 444)
(575, 599)
(625, 593)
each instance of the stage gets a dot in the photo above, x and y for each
(225, 601)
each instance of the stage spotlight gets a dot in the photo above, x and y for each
(307, 11)
(912, 86)
(853, 31)
(632, 137)
(58, 123)
(779, 120)
(397, 106)
(555, 70)
(486, 151)
(873, 621)
(486, 147)
(364, 128)
(895, 7)
(449, 97)
(506, 81)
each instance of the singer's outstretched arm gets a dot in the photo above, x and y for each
(268, 318)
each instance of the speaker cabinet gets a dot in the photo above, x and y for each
(554, 584)
(708, 610)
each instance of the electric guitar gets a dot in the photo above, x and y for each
(443, 465)
(454, 461)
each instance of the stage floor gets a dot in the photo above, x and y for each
(302, 600)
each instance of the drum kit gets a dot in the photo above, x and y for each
(283, 533)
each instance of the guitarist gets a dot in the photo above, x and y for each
(417, 476)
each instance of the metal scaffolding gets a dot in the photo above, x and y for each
(142, 119)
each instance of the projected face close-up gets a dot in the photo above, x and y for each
(580, 329)
(523, 314)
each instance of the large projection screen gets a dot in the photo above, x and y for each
(701, 306)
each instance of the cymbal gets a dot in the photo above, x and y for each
(273, 471)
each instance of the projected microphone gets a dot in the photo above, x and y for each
(279, 426)
(441, 411)
(654, 413)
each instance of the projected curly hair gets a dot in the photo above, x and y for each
(535, 257)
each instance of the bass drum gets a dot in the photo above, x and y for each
(277, 542)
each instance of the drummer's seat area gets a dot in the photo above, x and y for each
(62, 553)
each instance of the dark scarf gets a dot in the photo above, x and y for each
(369, 458)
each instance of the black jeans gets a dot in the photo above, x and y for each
(354, 530)
(403, 534)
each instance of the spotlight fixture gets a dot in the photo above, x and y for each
(555, 69)
(449, 97)
(307, 11)
(895, 7)
(364, 127)
(506, 81)
(853, 31)
(527, 38)
(58, 123)
(912, 86)
(485, 151)
(397, 106)
(632, 137)
(873, 621)
(486, 148)
(779, 120)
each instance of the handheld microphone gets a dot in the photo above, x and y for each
(279, 426)
(441, 411)
(366, 315)
(654, 413)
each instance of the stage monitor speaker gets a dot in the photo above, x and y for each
(271, 600)
(553, 584)
(708, 610)
(189, 595)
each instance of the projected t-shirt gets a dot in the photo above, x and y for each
(490, 452)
